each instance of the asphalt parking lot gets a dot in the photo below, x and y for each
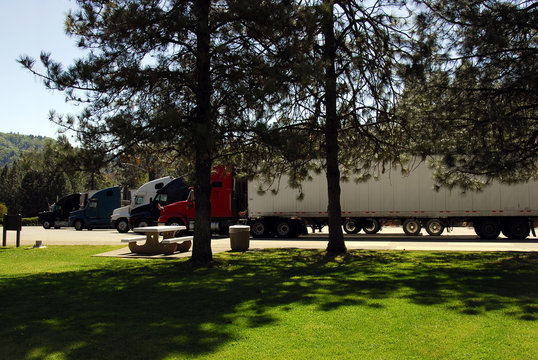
(390, 238)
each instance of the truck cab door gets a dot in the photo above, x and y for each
(58, 212)
(92, 210)
(191, 206)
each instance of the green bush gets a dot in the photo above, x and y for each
(30, 221)
(25, 221)
(3, 210)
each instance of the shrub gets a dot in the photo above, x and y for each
(3, 210)
(30, 221)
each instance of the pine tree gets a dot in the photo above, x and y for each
(187, 76)
(472, 99)
(342, 94)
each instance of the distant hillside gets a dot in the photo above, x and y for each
(11, 145)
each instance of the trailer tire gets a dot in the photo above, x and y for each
(488, 229)
(435, 227)
(371, 226)
(351, 226)
(412, 227)
(47, 223)
(122, 226)
(516, 229)
(284, 229)
(259, 228)
(79, 225)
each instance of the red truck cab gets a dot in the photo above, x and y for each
(228, 199)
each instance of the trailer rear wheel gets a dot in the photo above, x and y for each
(487, 229)
(517, 229)
(351, 226)
(435, 227)
(284, 229)
(371, 226)
(259, 228)
(412, 227)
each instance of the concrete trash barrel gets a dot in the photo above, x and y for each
(239, 237)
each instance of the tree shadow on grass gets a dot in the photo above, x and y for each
(155, 309)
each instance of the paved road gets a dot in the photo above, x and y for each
(463, 239)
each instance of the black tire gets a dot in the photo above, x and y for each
(122, 225)
(412, 227)
(259, 228)
(142, 223)
(488, 229)
(371, 226)
(176, 222)
(47, 223)
(351, 226)
(516, 229)
(284, 229)
(79, 225)
(435, 227)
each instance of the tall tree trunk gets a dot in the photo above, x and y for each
(203, 139)
(152, 173)
(332, 125)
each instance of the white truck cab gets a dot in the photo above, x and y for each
(120, 216)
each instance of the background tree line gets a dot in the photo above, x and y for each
(12, 145)
(34, 179)
(38, 177)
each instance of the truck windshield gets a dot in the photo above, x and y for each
(161, 197)
(139, 200)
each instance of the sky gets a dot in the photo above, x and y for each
(28, 27)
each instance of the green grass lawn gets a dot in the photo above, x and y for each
(61, 303)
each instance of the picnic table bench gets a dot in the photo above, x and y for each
(134, 239)
(168, 245)
(186, 242)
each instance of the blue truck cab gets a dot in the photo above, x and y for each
(97, 212)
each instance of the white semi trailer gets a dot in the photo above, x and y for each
(409, 199)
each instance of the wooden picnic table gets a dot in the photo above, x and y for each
(154, 245)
